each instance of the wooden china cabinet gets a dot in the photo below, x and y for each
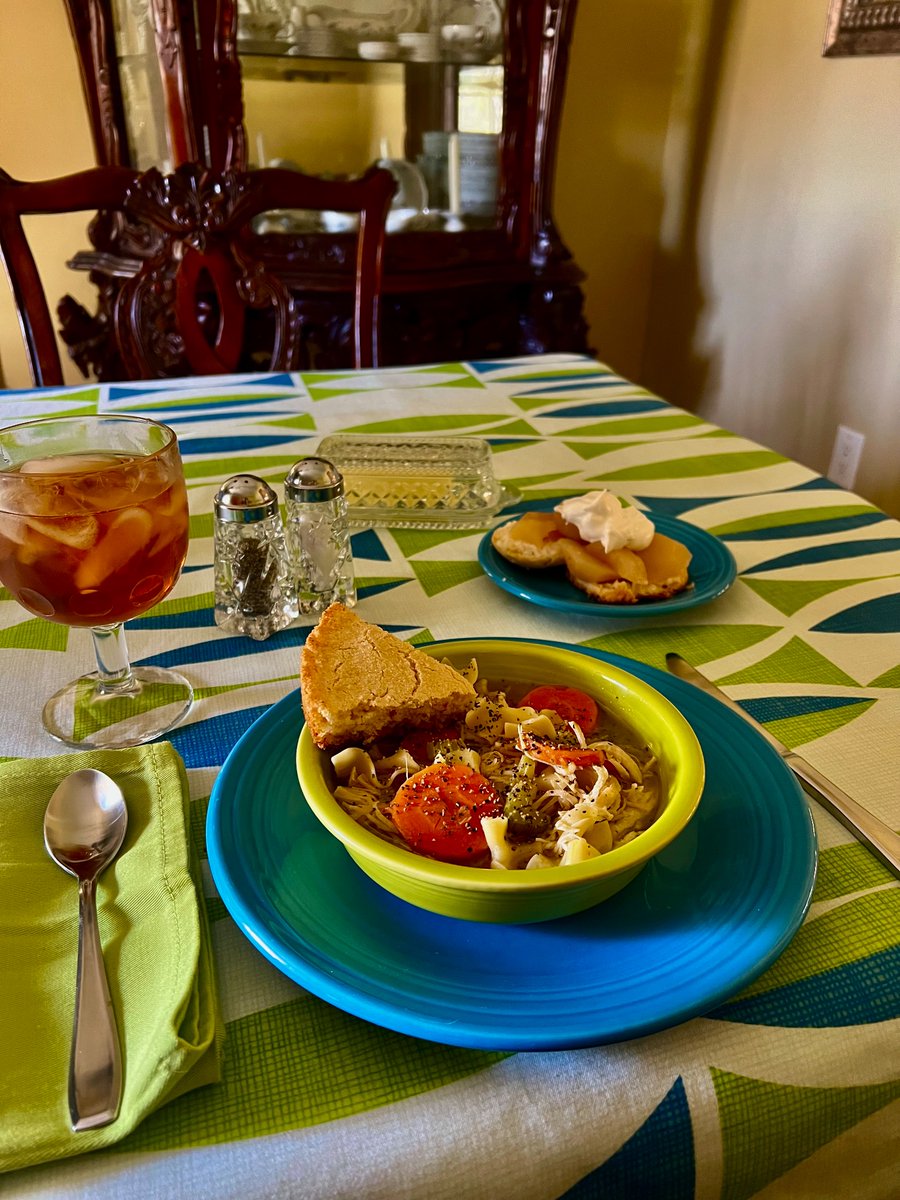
(461, 97)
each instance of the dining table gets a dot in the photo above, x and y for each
(728, 1026)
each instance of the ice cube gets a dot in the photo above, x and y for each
(15, 495)
(35, 547)
(13, 528)
(78, 532)
(103, 489)
(68, 464)
(152, 478)
(126, 536)
(167, 532)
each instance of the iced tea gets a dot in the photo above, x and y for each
(93, 539)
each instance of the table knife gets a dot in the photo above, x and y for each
(881, 840)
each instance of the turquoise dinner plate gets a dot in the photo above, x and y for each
(701, 921)
(712, 572)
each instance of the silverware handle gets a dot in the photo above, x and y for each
(95, 1066)
(880, 839)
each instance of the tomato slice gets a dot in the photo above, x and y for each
(419, 743)
(558, 756)
(569, 703)
(438, 812)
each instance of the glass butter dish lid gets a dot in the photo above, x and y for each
(417, 482)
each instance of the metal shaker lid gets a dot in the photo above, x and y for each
(313, 479)
(245, 498)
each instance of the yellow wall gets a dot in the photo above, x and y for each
(733, 197)
(342, 140)
(623, 63)
(44, 131)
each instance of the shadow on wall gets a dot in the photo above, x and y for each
(624, 62)
(673, 365)
(813, 327)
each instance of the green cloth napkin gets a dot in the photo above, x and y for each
(155, 945)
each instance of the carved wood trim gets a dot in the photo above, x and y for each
(187, 302)
(537, 37)
(220, 84)
(559, 16)
(94, 36)
(173, 29)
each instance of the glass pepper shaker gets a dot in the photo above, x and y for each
(254, 590)
(318, 537)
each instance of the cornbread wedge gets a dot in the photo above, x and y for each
(359, 682)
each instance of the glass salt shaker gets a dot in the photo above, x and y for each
(254, 590)
(317, 534)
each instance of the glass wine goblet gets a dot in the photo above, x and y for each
(94, 532)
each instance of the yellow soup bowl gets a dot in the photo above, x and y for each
(523, 896)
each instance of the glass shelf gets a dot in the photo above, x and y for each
(284, 57)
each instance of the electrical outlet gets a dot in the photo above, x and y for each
(848, 448)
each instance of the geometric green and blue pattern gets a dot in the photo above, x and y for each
(792, 1087)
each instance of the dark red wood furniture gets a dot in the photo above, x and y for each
(202, 295)
(503, 285)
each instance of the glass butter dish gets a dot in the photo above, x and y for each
(416, 482)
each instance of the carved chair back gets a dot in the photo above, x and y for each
(190, 272)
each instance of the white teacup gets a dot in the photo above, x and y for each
(422, 46)
(464, 38)
(417, 41)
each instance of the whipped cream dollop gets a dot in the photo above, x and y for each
(601, 517)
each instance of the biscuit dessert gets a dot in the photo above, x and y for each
(535, 540)
(540, 540)
(359, 682)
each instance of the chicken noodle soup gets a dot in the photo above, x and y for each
(561, 794)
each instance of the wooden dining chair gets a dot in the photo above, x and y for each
(194, 269)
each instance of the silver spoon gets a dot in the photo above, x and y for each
(84, 827)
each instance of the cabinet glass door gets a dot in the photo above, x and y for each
(414, 84)
(146, 121)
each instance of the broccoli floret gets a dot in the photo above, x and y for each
(525, 819)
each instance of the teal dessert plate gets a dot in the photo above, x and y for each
(712, 572)
(702, 920)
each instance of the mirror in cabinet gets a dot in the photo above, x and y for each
(460, 99)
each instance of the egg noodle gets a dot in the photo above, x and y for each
(565, 799)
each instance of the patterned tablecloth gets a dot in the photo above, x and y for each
(792, 1088)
